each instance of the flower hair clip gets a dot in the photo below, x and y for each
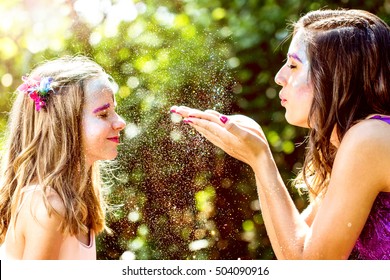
(38, 89)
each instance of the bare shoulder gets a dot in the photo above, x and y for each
(369, 131)
(45, 207)
(40, 220)
(56, 202)
(366, 137)
(366, 146)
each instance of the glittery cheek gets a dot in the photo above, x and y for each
(302, 80)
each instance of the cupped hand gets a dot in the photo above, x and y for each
(238, 135)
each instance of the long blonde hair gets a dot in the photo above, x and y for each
(45, 148)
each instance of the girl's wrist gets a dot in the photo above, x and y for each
(264, 164)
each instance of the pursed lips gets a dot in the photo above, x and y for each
(114, 139)
(282, 99)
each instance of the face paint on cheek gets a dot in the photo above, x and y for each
(302, 78)
(306, 67)
(301, 82)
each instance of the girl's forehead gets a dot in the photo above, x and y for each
(98, 92)
(298, 47)
(98, 86)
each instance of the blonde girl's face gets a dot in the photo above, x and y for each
(101, 124)
(297, 92)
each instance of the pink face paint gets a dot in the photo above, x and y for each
(295, 56)
(101, 108)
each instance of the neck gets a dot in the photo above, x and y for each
(334, 139)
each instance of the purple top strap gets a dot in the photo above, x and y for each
(382, 118)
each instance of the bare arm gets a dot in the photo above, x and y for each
(358, 176)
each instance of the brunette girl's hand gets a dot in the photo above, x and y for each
(238, 135)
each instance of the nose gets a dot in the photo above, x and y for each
(119, 123)
(279, 78)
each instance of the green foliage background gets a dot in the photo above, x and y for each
(174, 195)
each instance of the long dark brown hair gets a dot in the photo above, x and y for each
(349, 54)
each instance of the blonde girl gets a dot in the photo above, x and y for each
(62, 122)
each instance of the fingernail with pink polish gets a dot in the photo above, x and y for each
(175, 112)
(223, 119)
(187, 121)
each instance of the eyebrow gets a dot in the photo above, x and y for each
(101, 108)
(295, 56)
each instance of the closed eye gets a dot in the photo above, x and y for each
(291, 66)
(103, 114)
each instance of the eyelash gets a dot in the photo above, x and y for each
(291, 66)
(103, 115)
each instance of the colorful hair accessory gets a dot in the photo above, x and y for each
(37, 89)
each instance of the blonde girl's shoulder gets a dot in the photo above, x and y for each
(42, 205)
(55, 201)
(38, 224)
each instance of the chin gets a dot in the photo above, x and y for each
(110, 156)
(113, 156)
(297, 122)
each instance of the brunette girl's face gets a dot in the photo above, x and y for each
(101, 124)
(297, 92)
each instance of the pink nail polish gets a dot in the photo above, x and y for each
(223, 119)
(187, 121)
(175, 112)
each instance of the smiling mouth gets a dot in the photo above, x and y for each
(114, 139)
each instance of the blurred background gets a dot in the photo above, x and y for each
(173, 195)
